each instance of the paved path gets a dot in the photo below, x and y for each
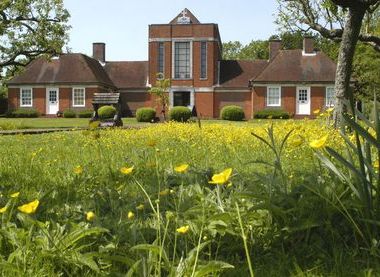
(52, 130)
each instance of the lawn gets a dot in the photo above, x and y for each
(42, 123)
(179, 200)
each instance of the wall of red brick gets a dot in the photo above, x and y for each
(259, 97)
(204, 104)
(318, 100)
(288, 101)
(131, 101)
(13, 98)
(242, 99)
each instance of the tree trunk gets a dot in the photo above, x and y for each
(346, 54)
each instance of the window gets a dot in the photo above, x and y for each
(274, 96)
(79, 97)
(160, 62)
(181, 98)
(26, 97)
(203, 60)
(182, 60)
(330, 97)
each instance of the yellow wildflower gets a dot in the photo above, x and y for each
(90, 216)
(3, 209)
(15, 194)
(329, 110)
(319, 143)
(181, 168)
(183, 229)
(376, 164)
(317, 111)
(78, 169)
(296, 141)
(131, 215)
(140, 207)
(29, 208)
(126, 170)
(221, 178)
(164, 192)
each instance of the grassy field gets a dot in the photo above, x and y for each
(179, 200)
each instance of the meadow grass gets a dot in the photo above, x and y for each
(118, 201)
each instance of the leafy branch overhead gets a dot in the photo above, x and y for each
(327, 17)
(30, 28)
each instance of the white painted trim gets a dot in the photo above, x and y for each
(72, 97)
(47, 97)
(293, 84)
(308, 54)
(327, 104)
(191, 58)
(280, 96)
(204, 89)
(180, 38)
(309, 97)
(49, 86)
(232, 90)
(31, 98)
(189, 89)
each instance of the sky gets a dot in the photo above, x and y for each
(123, 24)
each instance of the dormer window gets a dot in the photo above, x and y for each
(182, 60)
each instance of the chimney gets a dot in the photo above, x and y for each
(308, 45)
(99, 51)
(274, 48)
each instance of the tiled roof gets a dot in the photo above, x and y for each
(293, 66)
(128, 74)
(67, 69)
(236, 74)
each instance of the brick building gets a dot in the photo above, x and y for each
(190, 54)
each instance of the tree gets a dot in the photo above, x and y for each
(256, 49)
(29, 29)
(338, 20)
(161, 90)
(231, 50)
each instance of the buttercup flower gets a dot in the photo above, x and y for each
(3, 209)
(181, 168)
(376, 164)
(90, 216)
(164, 192)
(319, 143)
(295, 142)
(15, 194)
(183, 229)
(29, 208)
(329, 110)
(78, 170)
(126, 170)
(221, 178)
(131, 215)
(140, 207)
(317, 111)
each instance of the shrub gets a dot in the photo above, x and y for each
(272, 113)
(69, 114)
(106, 112)
(145, 114)
(233, 113)
(180, 114)
(85, 113)
(27, 113)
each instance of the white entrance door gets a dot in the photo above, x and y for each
(303, 101)
(52, 97)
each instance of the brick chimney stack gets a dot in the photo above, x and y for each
(274, 48)
(99, 51)
(308, 45)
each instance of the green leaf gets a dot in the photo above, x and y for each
(212, 267)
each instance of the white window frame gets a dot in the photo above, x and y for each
(267, 94)
(84, 97)
(31, 96)
(189, 89)
(329, 105)
(173, 58)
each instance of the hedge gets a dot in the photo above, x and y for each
(145, 115)
(233, 113)
(106, 112)
(272, 113)
(26, 113)
(85, 114)
(180, 114)
(69, 113)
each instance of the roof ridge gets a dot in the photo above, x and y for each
(98, 78)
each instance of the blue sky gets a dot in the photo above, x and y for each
(123, 24)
